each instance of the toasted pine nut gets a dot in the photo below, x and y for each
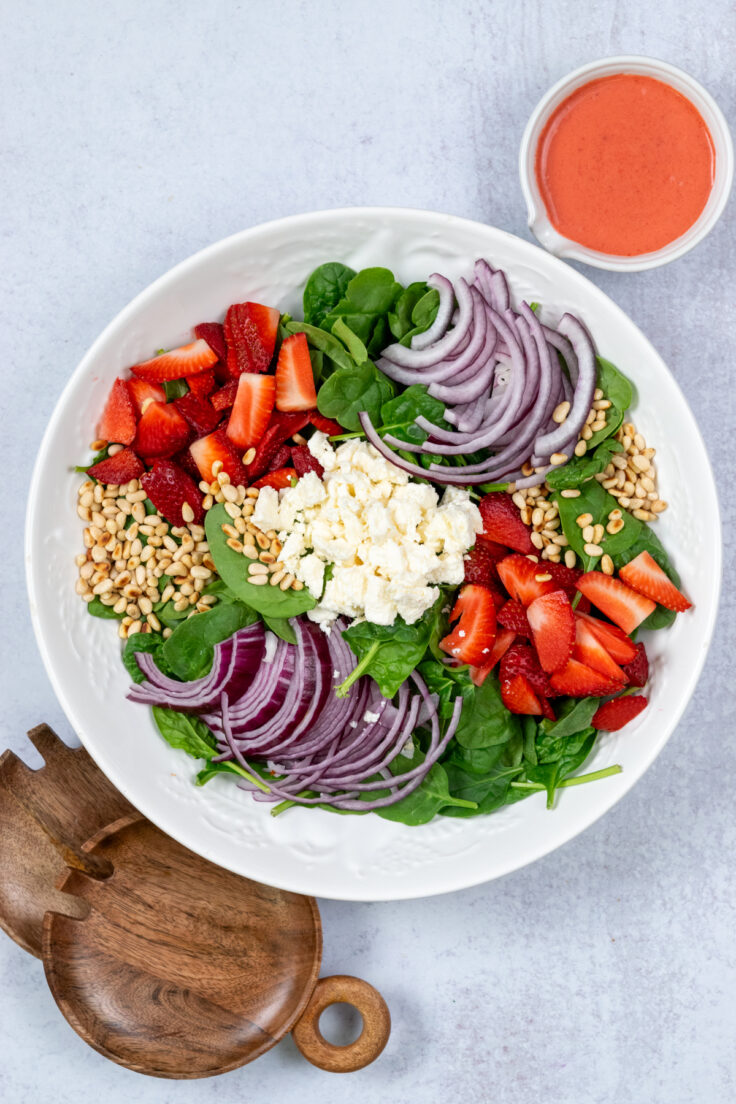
(286, 582)
(586, 433)
(518, 500)
(592, 549)
(658, 506)
(252, 492)
(560, 412)
(570, 558)
(643, 515)
(277, 577)
(588, 532)
(558, 458)
(537, 541)
(262, 541)
(259, 580)
(581, 448)
(598, 532)
(583, 519)
(537, 517)
(258, 569)
(615, 526)
(230, 493)
(234, 544)
(250, 551)
(216, 468)
(249, 456)
(571, 492)
(134, 628)
(640, 463)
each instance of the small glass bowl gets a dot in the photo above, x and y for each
(539, 222)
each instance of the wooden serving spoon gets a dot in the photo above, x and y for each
(160, 960)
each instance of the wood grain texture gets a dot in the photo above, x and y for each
(370, 1042)
(181, 969)
(46, 815)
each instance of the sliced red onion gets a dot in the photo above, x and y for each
(426, 358)
(442, 319)
(582, 346)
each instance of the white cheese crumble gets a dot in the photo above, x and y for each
(389, 542)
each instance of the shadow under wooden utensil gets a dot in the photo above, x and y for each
(160, 960)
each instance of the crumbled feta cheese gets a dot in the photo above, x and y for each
(390, 541)
(371, 718)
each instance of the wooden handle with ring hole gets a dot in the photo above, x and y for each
(341, 988)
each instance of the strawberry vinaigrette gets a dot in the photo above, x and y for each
(625, 165)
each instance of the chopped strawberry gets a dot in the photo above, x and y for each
(624, 606)
(168, 488)
(646, 576)
(162, 431)
(225, 397)
(141, 390)
(185, 460)
(580, 681)
(120, 468)
(199, 412)
(214, 334)
(217, 446)
(304, 462)
(295, 388)
(582, 605)
(493, 548)
(521, 659)
(504, 639)
(325, 425)
(187, 360)
(251, 411)
(564, 578)
(480, 566)
(589, 650)
(250, 333)
(613, 715)
(502, 523)
(524, 579)
(637, 672)
(281, 459)
(117, 424)
(512, 615)
(203, 384)
(518, 696)
(279, 479)
(616, 642)
(280, 429)
(472, 638)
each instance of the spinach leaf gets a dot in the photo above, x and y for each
(281, 627)
(175, 389)
(170, 617)
(351, 341)
(185, 731)
(619, 391)
(349, 392)
(400, 320)
(573, 716)
(190, 649)
(484, 775)
(426, 801)
(232, 568)
(324, 342)
(324, 289)
(529, 732)
(567, 758)
(317, 358)
(398, 415)
(140, 642)
(582, 468)
(106, 613)
(485, 721)
(226, 766)
(423, 315)
(594, 500)
(365, 306)
(648, 541)
(388, 653)
(98, 456)
(446, 682)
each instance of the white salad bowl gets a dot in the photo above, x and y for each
(311, 851)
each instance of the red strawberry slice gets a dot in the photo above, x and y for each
(518, 696)
(512, 615)
(250, 333)
(168, 488)
(185, 460)
(521, 659)
(120, 468)
(162, 431)
(203, 384)
(504, 639)
(280, 429)
(580, 681)
(141, 390)
(564, 578)
(472, 638)
(524, 579)
(187, 360)
(251, 411)
(493, 548)
(279, 479)
(295, 388)
(199, 412)
(589, 650)
(480, 566)
(646, 576)
(616, 642)
(502, 523)
(624, 606)
(117, 424)
(214, 334)
(637, 672)
(217, 446)
(304, 462)
(225, 397)
(281, 459)
(325, 425)
(613, 715)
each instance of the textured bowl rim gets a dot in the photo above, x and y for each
(303, 221)
(538, 218)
